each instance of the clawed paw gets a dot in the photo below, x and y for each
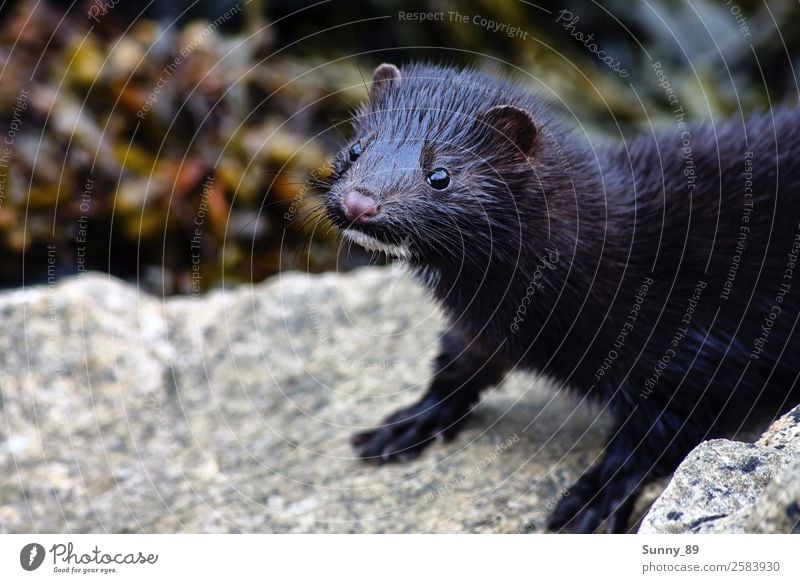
(409, 431)
(592, 500)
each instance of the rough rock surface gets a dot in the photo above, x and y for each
(122, 412)
(231, 412)
(731, 486)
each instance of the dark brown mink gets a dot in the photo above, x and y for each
(657, 276)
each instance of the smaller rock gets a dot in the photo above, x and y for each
(733, 487)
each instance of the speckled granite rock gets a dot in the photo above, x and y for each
(730, 486)
(231, 412)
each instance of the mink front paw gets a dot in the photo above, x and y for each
(591, 500)
(407, 432)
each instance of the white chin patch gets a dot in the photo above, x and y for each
(372, 244)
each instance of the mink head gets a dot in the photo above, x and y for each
(439, 166)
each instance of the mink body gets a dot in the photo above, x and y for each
(658, 276)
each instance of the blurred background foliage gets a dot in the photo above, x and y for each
(143, 139)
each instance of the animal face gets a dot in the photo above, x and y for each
(433, 168)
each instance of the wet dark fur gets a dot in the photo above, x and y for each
(614, 217)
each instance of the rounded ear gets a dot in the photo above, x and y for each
(513, 123)
(384, 78)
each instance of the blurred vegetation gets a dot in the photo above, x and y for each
(187, 137)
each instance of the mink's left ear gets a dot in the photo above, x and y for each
(513, 124)
(385, 77)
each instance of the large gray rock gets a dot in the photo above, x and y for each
(122, 412)
(732, 486)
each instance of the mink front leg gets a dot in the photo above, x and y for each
(462, 370)
(648, 445)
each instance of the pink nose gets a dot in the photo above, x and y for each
(359, 207)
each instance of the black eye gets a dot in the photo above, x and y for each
(439, 179)
(355, 151)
